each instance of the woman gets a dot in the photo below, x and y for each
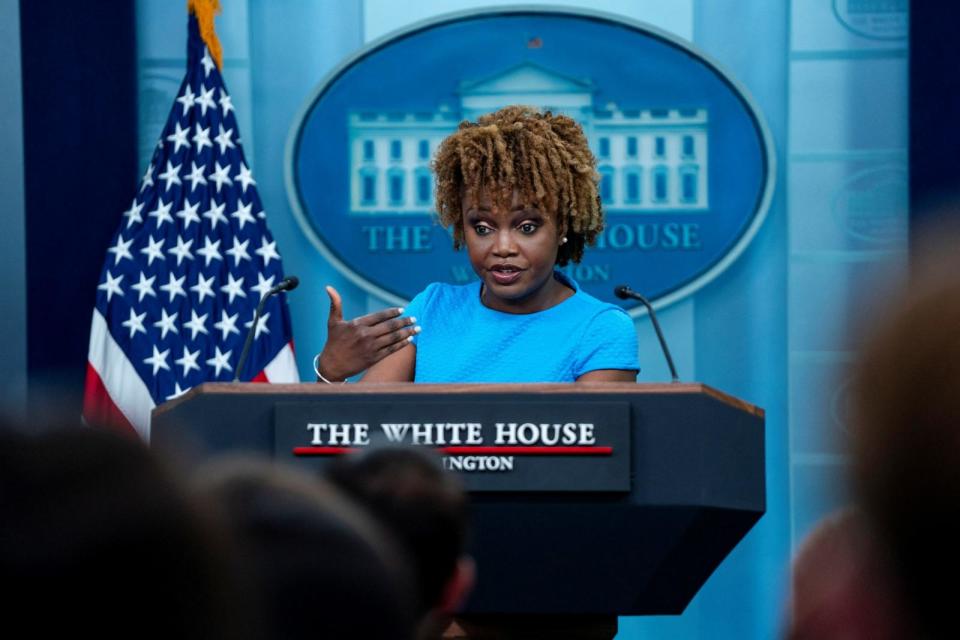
(519, 189)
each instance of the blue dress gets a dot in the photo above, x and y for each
(461, 340)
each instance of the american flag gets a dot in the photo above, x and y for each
(187, 267)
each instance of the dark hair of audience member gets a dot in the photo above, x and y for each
(424, 506)
(906, 440)
(323, 567)
(97, 537)
(841, 584)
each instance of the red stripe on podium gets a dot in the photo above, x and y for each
(502, 450)
(322, 451)
(530, 451)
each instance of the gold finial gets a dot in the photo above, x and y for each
(206, 10)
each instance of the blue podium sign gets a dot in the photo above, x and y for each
(684, 158)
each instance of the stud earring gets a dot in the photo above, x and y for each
(563, 240)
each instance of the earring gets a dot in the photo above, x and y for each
(563, 240)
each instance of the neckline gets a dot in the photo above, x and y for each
(559, 276)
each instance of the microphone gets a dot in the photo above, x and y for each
(287, 284)
(623, 292)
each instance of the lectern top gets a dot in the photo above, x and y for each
(410, 388)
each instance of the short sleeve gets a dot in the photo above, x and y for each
(608, 342)
(420, 306)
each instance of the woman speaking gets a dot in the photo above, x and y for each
(518, 188)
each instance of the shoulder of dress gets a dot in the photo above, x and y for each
(448, 294)
(595, 306)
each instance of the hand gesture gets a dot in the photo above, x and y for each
(356, 345)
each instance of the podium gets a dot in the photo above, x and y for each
(689, 486)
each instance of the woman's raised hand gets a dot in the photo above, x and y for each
(353, 346)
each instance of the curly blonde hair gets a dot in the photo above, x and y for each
(544, 157)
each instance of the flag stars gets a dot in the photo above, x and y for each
(196, 176)
(205, 100)
(261, 325)
(197, 324)
(162, 212)
(267, 251)
(144, 287)
(179, 138)
(215, 214)
(174, 286)
(224, 139)
(158, 360)
(133, 214)
(112, 286)
(227, 324)
(135, 323)
(220, 361)
(203, 288)
(201, 137)
(153, 250)
(226, 104)
(207, 62)
(220, 176)
(188, 361)
(121, 250)
(245, 177)
(182, 250)
(210, 251)
(187, 99)
(177, 391)
(264, 285)
(147, 179)
(189, 213)
(166, 323)
(242, 214)
(239, 251)
(233, 288)
(171, 175)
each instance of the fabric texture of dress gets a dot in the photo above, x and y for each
(462, 340)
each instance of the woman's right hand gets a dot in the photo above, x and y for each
(353, 346)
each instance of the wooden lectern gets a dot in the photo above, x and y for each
(629, 519)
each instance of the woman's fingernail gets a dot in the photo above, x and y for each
(399, 309)
(409, 338)
(413, 320)
(416, 329)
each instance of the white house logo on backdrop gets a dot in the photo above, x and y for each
(650, 159)
(874, 19)
(871, 205)
(684, 158)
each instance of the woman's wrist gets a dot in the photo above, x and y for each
(318, 368)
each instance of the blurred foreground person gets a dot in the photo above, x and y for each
(841, 585)
(97, 538)
(425, 508)
(322, 567)
(906, 438)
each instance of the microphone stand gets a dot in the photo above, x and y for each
(623, 292)
(287, 284)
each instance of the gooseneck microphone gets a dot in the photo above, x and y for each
(623, 292)
(287, 284)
